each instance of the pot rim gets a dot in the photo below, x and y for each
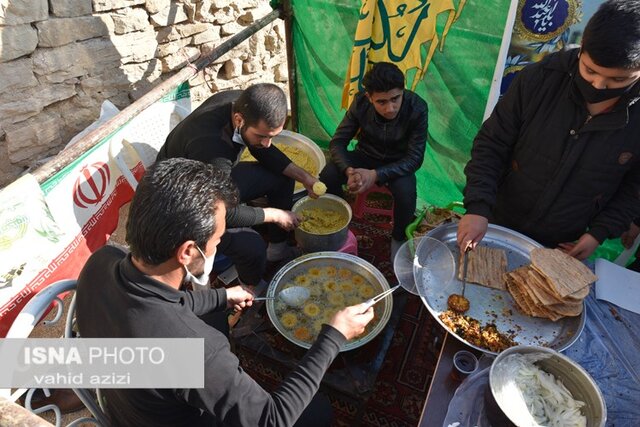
(297, 206)
(329, 255)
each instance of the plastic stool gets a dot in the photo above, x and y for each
(351, 245)
(360, 208)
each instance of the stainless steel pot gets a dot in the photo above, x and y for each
(331, 241)
(575, 379)
(338, 260)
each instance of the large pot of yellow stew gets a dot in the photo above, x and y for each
(325, 223)
(335, 280)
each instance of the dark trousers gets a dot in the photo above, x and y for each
(254, 180)
(248, 251)
(403, 190)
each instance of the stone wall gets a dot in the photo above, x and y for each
(59, 59)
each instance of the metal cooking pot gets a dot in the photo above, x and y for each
(575, 379)
(331, 241)
(338, 260)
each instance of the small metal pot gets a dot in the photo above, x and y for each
(574, 378)
(332, 241)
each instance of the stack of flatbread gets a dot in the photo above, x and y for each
(552, 287)
(485, 266)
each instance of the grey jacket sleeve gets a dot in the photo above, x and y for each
(203, 302)
(244, 216)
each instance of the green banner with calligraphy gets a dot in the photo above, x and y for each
(453, 77)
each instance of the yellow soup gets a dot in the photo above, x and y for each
(327, 296)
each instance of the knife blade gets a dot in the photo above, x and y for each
(465, 265)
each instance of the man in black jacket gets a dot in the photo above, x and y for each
(176, 219)
(558, 160)
(390, 125)
(219, 131)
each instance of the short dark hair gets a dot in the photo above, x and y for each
(383, 77)
(262, 101)
(612, 35)
(176, 201)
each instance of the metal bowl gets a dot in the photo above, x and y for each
(331, 241)
(310, 148)
(338, 260)
(572, 375)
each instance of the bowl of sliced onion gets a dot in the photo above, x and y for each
(537, 386)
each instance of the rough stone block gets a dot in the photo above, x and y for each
(16, 75)
(18, 106)
(232, 69)
(281, 72)
(58, 32)
(32, 137)
(8, 171)
(211, 35)
(173, 14)
(155, 6)
(135, 47)
(180, 31)
(70, 8)
(15, 12)
(219, 4)
(178, 60)
(104, 5)
(17, 41)
(204, 12)
(250, 67)
(224, 15)
(171, 48)
(246, 4)
(129, 20)
(231, 29)
(74, 60)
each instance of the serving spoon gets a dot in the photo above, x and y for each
(294, 296)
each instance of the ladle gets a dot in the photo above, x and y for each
(294, 296)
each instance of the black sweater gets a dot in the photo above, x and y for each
(542, 165)
(115, 300)
(206, 134)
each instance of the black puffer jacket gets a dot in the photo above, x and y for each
(543, 166)
(397, 144)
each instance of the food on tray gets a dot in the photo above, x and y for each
(570, 277)
(296, 154)
(552, 287)
(486, 267)
(536, 397)
(331, 289)
(434, 217)
(322, 221)
(470, 330)
(319, 188)
(458, 303)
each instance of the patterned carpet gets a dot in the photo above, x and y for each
(397, 395)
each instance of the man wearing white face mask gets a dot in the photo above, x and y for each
(559, 158)
(176, 219)
(223, 127)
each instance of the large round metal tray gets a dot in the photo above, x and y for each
(495, 306)
(338, 260)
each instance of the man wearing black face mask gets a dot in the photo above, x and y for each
(558, 158)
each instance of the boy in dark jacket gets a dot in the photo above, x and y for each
(558, 158)
(390, 125)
